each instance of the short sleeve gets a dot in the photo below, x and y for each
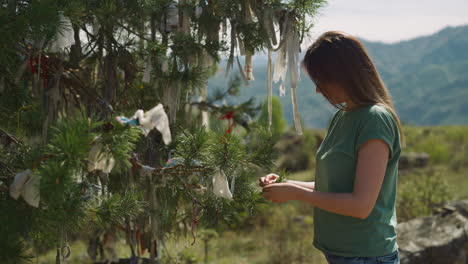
(379, 124)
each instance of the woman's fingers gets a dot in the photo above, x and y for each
(268, 179)
(272, 177)
(262, 181)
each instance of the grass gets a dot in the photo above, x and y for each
(447, 147)
(283, 233)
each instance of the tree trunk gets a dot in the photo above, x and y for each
(110, 78)
(52, 95)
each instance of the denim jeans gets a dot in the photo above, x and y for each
(392, 258)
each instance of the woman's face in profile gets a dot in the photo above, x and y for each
(334, 90)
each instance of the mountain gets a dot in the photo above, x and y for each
(426, 76)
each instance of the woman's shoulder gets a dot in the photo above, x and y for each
(375, 110)
(378, 109)
(373, 115)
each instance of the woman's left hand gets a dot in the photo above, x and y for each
(280, 192)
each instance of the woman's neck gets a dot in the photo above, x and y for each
(350, 106)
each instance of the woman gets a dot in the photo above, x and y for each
(357, 163)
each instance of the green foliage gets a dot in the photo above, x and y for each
(17, 219)
(116, 209)
(439, 153)
(207, 234)
(445, 145)
(71, 140)
(11, 250)
(64, 210)
(56, 182)
(61, 167)
(187, 257)
(214, 150)
(229, 149)
(261, 146)
(233, 88)
(120, 141)
(102, 74)
(280, 229)
(298, 152)
(192, 144)
(29, 21)
(282, 176)
(278, 125)
(421, 190)
(18, 108)
(420, 194)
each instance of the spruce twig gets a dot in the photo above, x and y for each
(6, 167)
(282, 176)
(9, 138)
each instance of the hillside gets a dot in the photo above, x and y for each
(427, 77)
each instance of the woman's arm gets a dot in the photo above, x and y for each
(309, 185)
(370, 172)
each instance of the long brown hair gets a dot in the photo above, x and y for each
(341, 58)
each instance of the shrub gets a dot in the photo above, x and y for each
(420, 194)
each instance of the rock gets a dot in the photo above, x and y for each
(438, 239)
(413, 159)
(461, 207)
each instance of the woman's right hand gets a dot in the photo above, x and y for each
(270, 178)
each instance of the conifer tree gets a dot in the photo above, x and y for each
(69, 68)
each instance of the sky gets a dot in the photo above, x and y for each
(390, 21)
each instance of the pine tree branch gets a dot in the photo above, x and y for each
(133, 32)
(179, 169)
(6, 167)
(9, 138)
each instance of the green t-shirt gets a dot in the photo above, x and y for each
(335, 172)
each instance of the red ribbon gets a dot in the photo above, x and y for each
(34, 67)
(228, 116)
(135, 165)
